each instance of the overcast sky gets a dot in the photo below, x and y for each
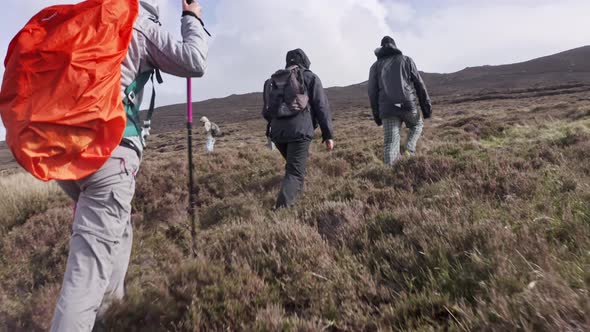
(251, 37)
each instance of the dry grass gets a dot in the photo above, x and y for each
(22, 196)
(487, 229)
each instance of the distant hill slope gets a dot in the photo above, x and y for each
(572, 66)
(556, 70)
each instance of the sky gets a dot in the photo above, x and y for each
(251, 37)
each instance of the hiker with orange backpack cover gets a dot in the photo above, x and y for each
(70, 103)
(151, 48)
(101, 244)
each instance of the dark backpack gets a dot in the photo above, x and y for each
(215, 131)
(286, 94)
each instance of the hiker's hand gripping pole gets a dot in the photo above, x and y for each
(192, 6)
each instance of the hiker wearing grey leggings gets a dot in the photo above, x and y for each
(395, 88)
(392, 127)
(102, 235)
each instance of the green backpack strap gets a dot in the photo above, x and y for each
(147, 123)
(132, 105)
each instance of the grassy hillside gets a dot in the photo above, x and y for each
(568, 70)
(488, 228)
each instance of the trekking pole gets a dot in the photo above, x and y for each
(192, 197)
(189, 125)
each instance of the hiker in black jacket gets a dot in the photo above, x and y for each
(395, 86)
(292, 135)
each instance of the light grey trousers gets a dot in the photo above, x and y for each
(392, 127)
(210, 144)
(100, 246)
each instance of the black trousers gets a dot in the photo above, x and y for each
(295, 154)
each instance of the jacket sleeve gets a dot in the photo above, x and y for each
(183, 58)
(264, 105)
(374, 93)
(421, 91)
(320, 108)
(265, 101)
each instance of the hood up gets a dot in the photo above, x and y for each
(387, 51)
(299, 58)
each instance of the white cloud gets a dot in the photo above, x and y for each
(251, 37)
(399, 13)
(470, 33)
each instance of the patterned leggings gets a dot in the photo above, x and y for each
(392, 127)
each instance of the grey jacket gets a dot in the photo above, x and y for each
(395, 85)
(153, 47)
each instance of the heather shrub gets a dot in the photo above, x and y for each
(32, 262)
(227, 210)
(161, 192)
(22, 196)
(202, 295)
(358, 158)
(486, 228)
(336, 222)
(333, 167)
(480, 126)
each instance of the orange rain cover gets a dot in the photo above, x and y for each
(61, 98)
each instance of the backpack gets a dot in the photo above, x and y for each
(286, 94)
(215, 131)
(61, 98)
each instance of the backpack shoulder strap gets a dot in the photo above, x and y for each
(266, 91)
(132, 106)
(302, 73)
(147, 123)
(136, 87)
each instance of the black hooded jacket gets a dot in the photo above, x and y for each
(395, 85)
(302, 126)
